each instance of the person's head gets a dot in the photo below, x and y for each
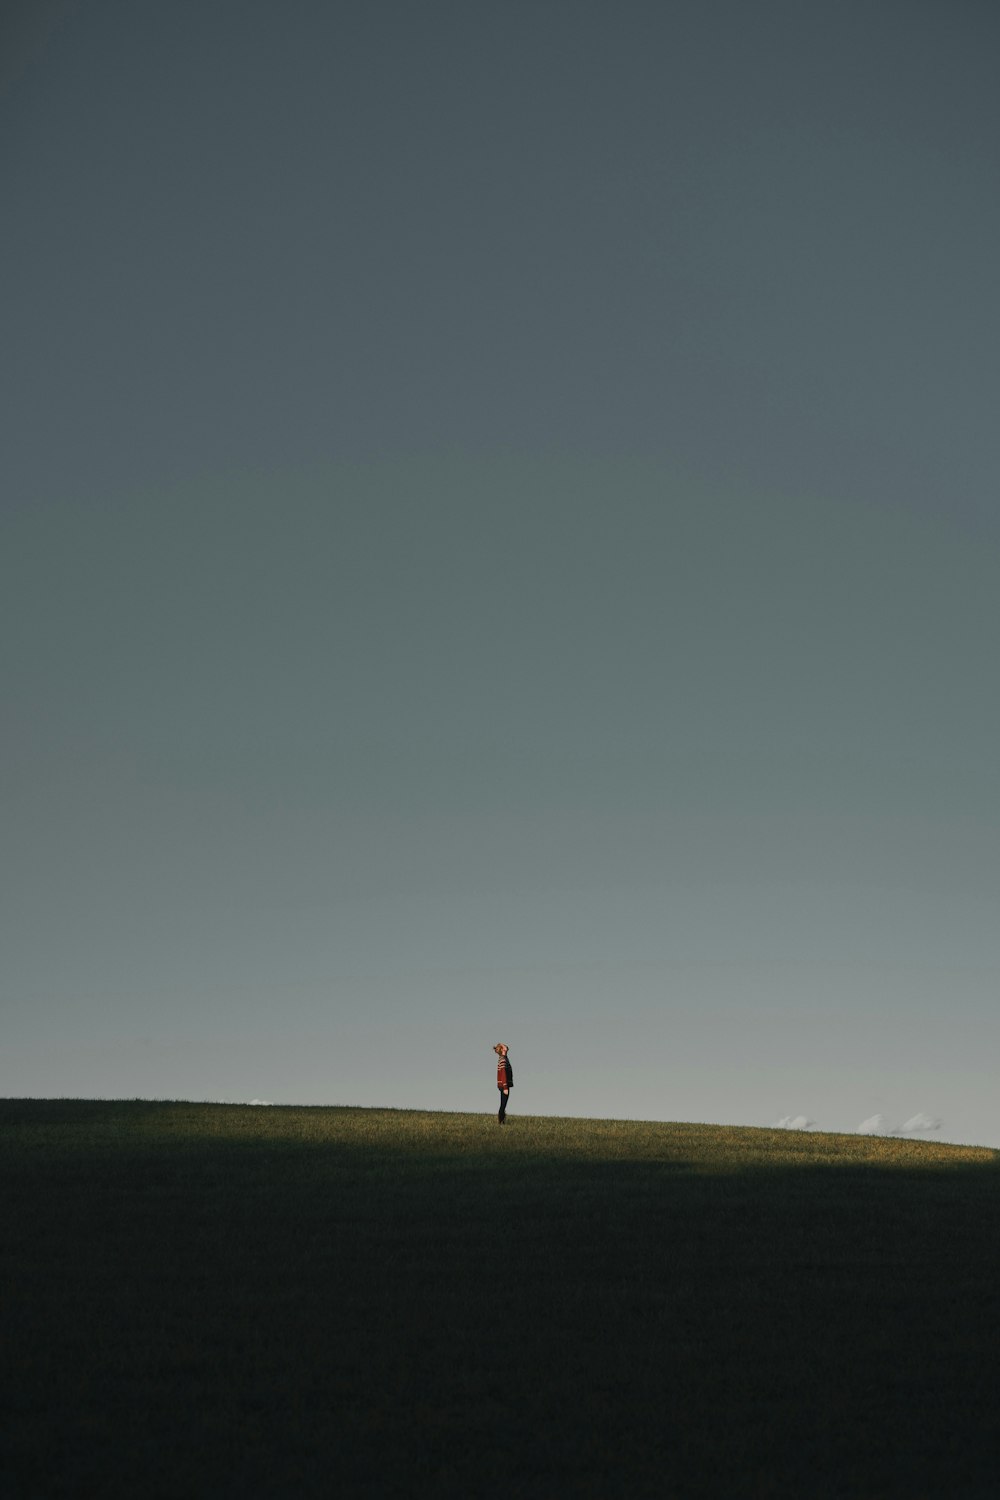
(500, 1049)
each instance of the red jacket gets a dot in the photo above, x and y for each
(505, 1073)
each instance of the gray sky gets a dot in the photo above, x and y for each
(501, 539)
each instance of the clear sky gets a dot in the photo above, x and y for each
(501, 541)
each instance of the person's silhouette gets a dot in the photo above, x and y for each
(505, 1080)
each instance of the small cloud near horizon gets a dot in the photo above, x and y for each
(793, 1122)
(920, 1122)
(879, 1125)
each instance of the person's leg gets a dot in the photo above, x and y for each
(503, 1106)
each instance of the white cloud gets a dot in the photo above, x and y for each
(793, 1122)
(260, 1101)
(879, 1125)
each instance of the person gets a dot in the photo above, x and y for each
(505, 1080)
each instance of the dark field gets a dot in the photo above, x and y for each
(224, 1300)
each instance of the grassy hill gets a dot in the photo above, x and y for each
(219, 1300)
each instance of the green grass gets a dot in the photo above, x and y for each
(229, 1300)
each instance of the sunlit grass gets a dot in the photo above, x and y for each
(65, 1125)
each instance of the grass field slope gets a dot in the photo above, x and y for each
(233, 1300)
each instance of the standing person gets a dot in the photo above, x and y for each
(505, 1080)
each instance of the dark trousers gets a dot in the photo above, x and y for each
(503, 1106)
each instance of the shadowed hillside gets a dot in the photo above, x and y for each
(208, 1299)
